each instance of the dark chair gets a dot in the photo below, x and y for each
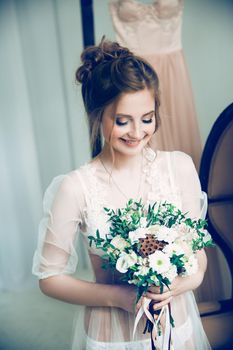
(216, 176)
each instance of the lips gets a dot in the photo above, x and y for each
(131, 143)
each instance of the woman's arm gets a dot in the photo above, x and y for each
(55, 259)
(74, 291)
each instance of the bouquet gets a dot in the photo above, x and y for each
(151, 246)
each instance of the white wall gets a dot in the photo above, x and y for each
(208, 46)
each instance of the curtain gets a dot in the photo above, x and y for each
(43, 131)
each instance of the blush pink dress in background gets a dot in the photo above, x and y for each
(153, 31)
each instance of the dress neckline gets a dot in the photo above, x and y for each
(98, 189)
(131, 10)
(137, 2)
(148, 153)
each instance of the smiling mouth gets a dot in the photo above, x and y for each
(131, 142)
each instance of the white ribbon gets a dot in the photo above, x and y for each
(204, 204)
(164, 342)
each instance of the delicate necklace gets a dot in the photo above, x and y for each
(115, 183)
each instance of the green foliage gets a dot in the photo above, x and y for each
(133, 216)
(125, 255)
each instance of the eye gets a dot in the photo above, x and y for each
(121, 121)
(147, 121)
(149, 118)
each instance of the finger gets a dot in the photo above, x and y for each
(158, 297)
(158, 306)
(138, 305)
(154, 289)
(157, 290)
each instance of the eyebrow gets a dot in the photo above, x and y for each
(130, 116)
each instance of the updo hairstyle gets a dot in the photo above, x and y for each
(107, 71)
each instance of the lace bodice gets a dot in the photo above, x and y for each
(99, 193)
(148, 28)
(74, 203)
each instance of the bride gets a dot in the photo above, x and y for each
(121, 97)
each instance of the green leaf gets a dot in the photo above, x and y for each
(98, 234)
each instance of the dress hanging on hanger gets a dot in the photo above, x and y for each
(153, 31)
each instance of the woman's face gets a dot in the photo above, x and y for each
(129, 123)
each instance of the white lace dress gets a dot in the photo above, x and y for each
(74, 204)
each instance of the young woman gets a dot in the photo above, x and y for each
(121, 98)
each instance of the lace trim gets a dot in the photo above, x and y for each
(97, 201)
(162, 187)
(136, 345)
(133, 10)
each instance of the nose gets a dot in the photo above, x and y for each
(136, 131)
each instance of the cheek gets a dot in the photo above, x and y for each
(117, 132)
(112, 132)
(150, 128)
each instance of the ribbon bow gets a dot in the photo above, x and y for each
(159, 342)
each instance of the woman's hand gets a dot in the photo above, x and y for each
(126, 296)
(159, 299)
(179, 285)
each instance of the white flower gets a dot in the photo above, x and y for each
(125, 261)
(119, 243)
(153, 229)
(171, 273)
(139, 233)
(173, 249)
(193, 234)
(207, 236)
(191, 266)
(167, 234)
(159, 261)
(155, 279)
(143, 222)
(183, 228)
(188, 233)
(143, 270)
(185, 246)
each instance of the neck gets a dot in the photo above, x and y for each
(119, 160)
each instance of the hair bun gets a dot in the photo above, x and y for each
(94, 55)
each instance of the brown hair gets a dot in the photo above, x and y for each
(107, 71)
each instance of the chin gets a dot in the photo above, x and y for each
(131, 149)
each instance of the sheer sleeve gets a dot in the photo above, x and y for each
(194, 200)
(56, 253)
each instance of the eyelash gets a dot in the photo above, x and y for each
(145, 121)
(119, 123)
(148, 121)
